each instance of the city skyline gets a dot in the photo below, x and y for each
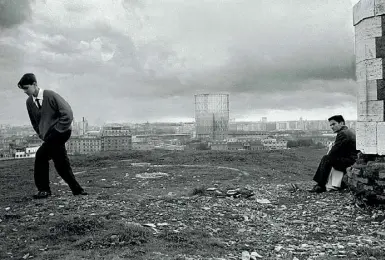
(144, 61)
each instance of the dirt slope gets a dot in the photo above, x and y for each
(185, 205)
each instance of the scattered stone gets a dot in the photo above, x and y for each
(114, 238)
(7, 208)
(26, 256)
(232, 192)
(44, 249)
(142, 164)
(380, 233)
(150, 225)
(245, 255)
(151, 175)
(255, 255)
(263, 201)
(278, 248)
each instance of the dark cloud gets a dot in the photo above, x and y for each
(14, 12)
(151, 59)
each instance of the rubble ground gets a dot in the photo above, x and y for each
(186, 205)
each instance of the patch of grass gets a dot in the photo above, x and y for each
(117, 234)
(376, 252)
(190, 239)
(200, 191)
(127, 234)
(76, 226)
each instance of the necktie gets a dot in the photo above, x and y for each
(38, 103)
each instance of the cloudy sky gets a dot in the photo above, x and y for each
(143, 60)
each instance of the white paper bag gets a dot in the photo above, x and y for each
(335, 179)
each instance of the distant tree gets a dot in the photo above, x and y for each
(300, 143)
(202, 146)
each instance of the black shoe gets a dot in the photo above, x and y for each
(82, 192)
(318, 189)
(42, 195)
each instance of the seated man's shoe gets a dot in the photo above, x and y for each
(42, 195)
(82, 192)
(318, 189)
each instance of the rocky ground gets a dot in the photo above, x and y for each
(186, 205)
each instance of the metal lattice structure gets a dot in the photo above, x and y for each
(212, 115)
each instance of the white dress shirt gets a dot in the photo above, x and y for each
(39, 96)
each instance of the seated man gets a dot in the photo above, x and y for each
(342, 155)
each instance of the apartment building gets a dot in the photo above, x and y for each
(237, 146)
(116, 138)
(84, 145)
(25, 152)
(274, 144)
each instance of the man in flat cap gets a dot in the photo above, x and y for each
(51, 117)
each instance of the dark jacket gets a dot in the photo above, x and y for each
(344, 146)
(55, 114)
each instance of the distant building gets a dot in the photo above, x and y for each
(25, 152)
(116, 138)
(80, 128)
(246, 135)
(185, 128)
(84, 145)
(237, 146)
(170, 147)
(212, 116)
(248, 126)
(271, 126)
(142, 146)
(274, 144)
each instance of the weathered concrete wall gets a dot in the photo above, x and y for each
(367, 176)
(369, 23)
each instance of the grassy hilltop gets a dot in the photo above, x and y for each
(185, 205)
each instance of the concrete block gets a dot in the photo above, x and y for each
(381, 175)
(371, 90)
(369, 28)
(365, 49)
(379, 7)
(363, 9)
(353, 183)
(381, 138)
(370, 70)
(381, 198)
(371, 111)
(352, 172)
(380, 183)
(366, 137)
(370, 49)
(363, 180)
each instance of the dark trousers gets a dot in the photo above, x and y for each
(54, 148)
(325, 166)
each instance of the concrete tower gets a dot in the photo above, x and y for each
(212, 116)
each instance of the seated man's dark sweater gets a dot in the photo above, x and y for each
(342, 155)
